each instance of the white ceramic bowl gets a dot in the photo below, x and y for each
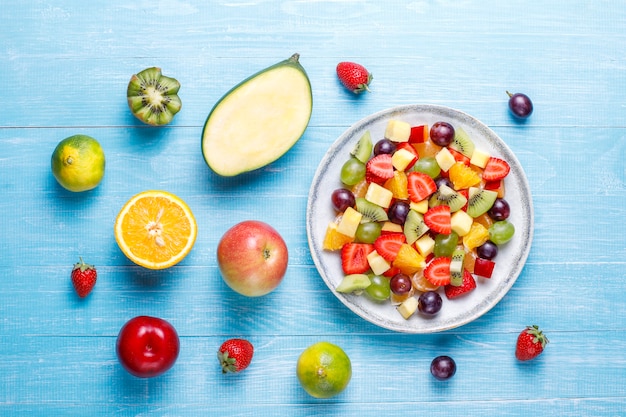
(511, 256)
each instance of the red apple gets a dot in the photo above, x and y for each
(147, 346)
(252, 257)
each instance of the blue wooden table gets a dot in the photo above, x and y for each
(64, 68)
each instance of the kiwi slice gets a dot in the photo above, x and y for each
(363, 148)
(153, 97)
(353, 282)
(456, 267)
(462, 142)
(414, 227)
(447, 196)
(371, 212)
(480, 201)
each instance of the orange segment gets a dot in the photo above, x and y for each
(155, 229)
(477, 235)
(462, 176)
(409, 261)
(334, 240)
(398, 185)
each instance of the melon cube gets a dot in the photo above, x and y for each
(461, 222)
(349, 222)
(479, 158)
(389, 227)
(378, 194)
(378, 264)
(401, 159)
(408, 307)
(421, 206)
(425, 245)
(398, 131)
(445, 159)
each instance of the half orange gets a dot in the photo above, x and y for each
(155, 229)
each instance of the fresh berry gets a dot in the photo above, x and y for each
(379, 168)
(443, 367)
(354, 257)
(420, 186)
(84, 278)
(389, 244)
(438, 271)
(530, 343)
(469, 283)
(496, 169)
(438, 219)
(235, 355)
(355, 77)
(520, 105)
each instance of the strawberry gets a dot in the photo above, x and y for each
(496, 169)
(420, 186)
(530, 343)
(379, 168)
(235, 355)
(468, 284)
(354, 76)
(438, 219)
(388, 245)
(84, 278)
(438, 271)
(354, 257)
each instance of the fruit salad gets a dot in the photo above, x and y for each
(420, 214)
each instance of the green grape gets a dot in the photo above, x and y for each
(352, 172)
(379, 288)
(445, 244)
(427, 165)
(368, 232)
(501, 232)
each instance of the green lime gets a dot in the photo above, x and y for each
(324, 370)
(78, 163)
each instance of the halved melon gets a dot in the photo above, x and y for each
(258, 120)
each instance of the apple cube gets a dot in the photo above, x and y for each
(349, 222)
(419, 134)
(445, 159)
(461, 222)
(408, 307)
(402, 158)
(378, 264)
(484, 267)
(398, 131)
(421, 206)
(378, 194)
(425, 245)
(389, 227)
(479, 158)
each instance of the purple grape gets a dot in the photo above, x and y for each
(384, 146)
(520, 105)
(443, 181)
(400, 284)
(342, 198)
(443, 367)
(442, 133)
(429, 302)
(500, 210)
(398, 211)
(487, 250)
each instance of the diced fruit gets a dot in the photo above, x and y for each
(414, 227)
(445, 159)
(420, 283)
(408, 307)
(398, 185)
(468, 284)
(438, 219)
(419, 134)
(421, 206)
(403, 159)
(379, 195)
(484, 267)
(446, 196)
(477, 235)
(379, 168)
(397, 131)
(371, 212)
(461, 223)
(349, 222)
(363, 148)
(388, 245)
(408, 260)
(463, 176)
(484, 219)
(354, 258)
(389, 227)
(479, 158)
(496, 169)
(497, 186)
(360, 188)
(456, 267)
(459, 157)
(428, 148)
(480, 201)
(333, 240)
(420, 186)
(462, 142)
(378, 264)
(438, 271)
(353, 282)
(425, 245)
